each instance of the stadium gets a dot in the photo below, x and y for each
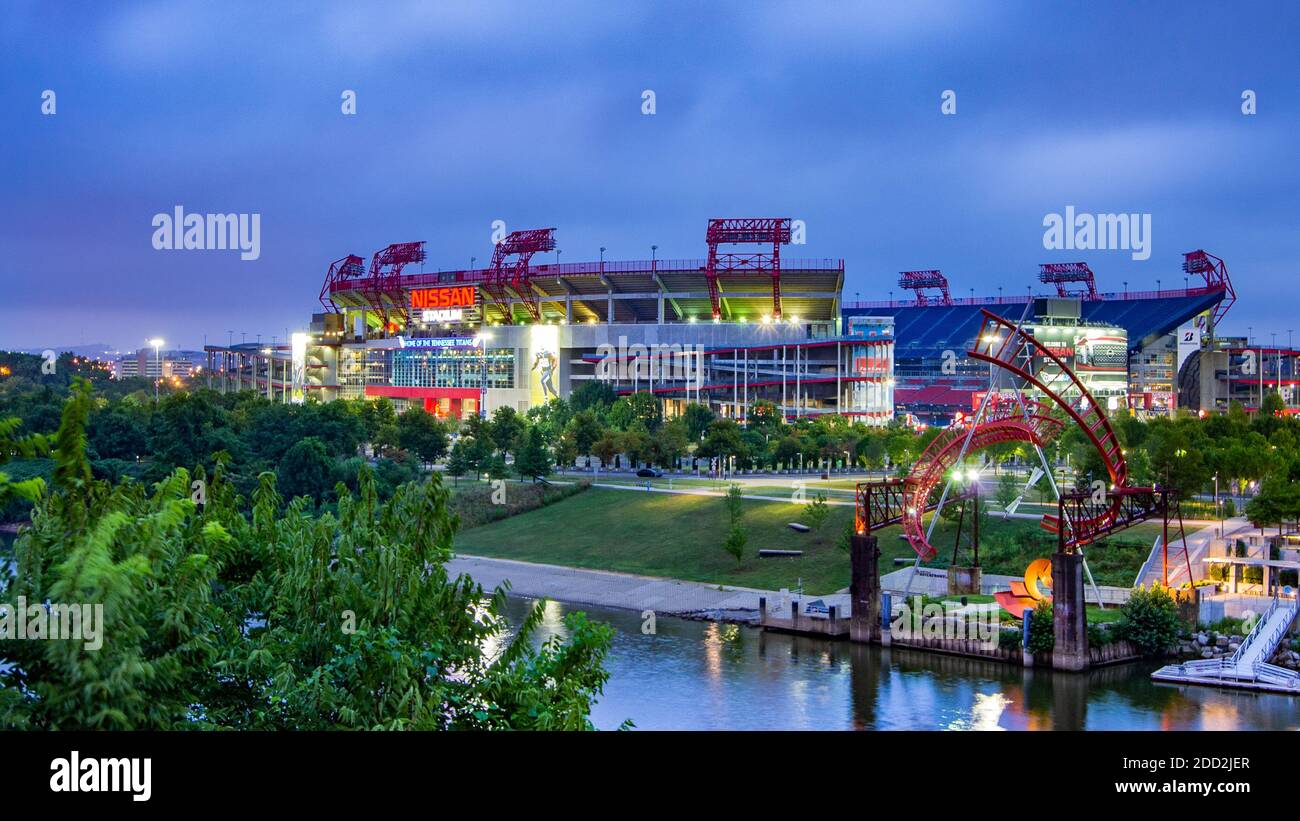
(1161, 330)
(743, 323)
(738, 326)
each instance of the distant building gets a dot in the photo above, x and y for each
(1232, 370)
(165, 364)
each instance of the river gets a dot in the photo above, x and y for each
(692, 675)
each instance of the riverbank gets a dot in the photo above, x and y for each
(604, 588)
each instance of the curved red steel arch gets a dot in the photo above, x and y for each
(929, 471)
(1007, 346)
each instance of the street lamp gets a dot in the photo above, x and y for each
(157, 361)
(482, 338)
(602, 257)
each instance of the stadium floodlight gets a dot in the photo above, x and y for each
(157, 344)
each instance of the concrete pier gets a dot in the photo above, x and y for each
(864, 588)
(1069, 618)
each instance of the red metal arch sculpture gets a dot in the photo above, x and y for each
(1088, 518)
(1007, 346)
(1008, 424)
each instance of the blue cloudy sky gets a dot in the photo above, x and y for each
(531, 113)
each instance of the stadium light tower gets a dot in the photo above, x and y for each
(157, 344)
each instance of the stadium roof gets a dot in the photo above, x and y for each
(920, 330)
(809, 289)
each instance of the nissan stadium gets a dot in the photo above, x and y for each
(742, 324)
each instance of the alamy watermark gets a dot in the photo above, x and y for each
(1098, 232)
(53, 622)
(932, 620)
(657, 362)
(179, 231)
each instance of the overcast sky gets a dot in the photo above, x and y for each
(531, 113)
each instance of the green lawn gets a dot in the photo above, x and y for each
(674, 535)
(680, 536)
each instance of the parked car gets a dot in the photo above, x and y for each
(649, 473)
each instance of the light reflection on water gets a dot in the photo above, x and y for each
(705, 676)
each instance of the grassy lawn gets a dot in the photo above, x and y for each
(673, 535)
(680, 536)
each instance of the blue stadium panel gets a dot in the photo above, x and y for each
(918, 329)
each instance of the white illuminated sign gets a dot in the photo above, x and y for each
(444, 315)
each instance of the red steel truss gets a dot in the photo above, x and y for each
(1062, 273)
(747, 231)
(1215, 273)
(880, 504)
(383, 286)
(1135, 504)
(919, 281)
(350, 267)
(514, 272)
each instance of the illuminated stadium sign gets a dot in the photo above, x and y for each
(439, 342)
(442, 299)
(443, 304)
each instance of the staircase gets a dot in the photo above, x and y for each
(1248, 667)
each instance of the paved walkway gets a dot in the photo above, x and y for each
(603, 588)
(1198, 545)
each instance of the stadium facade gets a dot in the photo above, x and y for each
(740, 325)
(1160, 329)
(727, 331)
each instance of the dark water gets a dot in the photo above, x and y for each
(705, 676)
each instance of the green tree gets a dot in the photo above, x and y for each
(816, 511)
(697, 418)
(722, 440)
(552, 417)
(736, 535)
(607, 448)
(422, 434)
(592, 395)
(585, 430)
(637, 444)
(669, 443)
(214, 619)
(458, 462)
(306, 469)
(533, 460)
(507, 428)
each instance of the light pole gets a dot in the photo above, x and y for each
(1218, 514)
(472, 260)
(482, 337)
(157, 362)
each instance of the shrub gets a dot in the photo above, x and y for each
(1150, 620)
(816, 511)
(1099, 635)
(735, 544)
(1008, 639)
(1042, 636)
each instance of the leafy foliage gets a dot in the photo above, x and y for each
(277, 619)
(1150, 620)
